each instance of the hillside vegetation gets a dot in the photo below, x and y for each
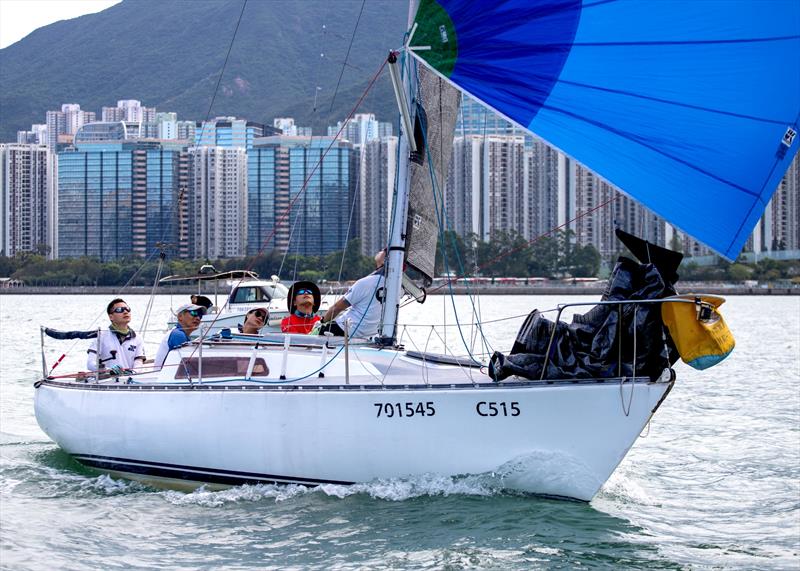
(286, 60)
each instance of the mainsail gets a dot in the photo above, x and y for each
(690, 107)
(437, 109)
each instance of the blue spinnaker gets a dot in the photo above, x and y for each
(689, 106)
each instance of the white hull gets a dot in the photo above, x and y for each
(560, 439)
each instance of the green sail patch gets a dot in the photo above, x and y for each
(435, 29)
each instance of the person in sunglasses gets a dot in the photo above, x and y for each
(254, 321)
(303, 302)
(189, 317)
(117, 349)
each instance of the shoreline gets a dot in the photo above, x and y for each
(434, 290)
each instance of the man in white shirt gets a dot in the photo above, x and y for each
(120, 350)
(359, 311)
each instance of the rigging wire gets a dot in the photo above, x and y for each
(301, 193)
(350, 218)
(222, 71)
(347, 56)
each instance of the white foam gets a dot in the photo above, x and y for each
(395, 489)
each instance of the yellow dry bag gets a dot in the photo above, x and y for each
(698, 330)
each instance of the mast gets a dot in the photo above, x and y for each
(402, 84)
(397, 240)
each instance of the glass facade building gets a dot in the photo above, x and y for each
(229, 132)
(317, 183)
(118, 199)
(262, 193)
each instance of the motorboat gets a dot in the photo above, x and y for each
(246, 291)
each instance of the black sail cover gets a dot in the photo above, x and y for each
(600, 343)
(437, 110)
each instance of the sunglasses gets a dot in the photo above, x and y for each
(121, 310)
(304, 292)
(260, 313)
(196, 312)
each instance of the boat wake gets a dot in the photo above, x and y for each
(394, 489)
(519, 476)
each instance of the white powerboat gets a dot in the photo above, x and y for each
(246, 292)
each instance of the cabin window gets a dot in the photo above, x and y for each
(249, 295)
(221, 367)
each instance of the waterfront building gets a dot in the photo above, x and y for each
(229, 132)
(315, 184)
(376, 179)
(26, 196)
(218, 205)
(118, 197)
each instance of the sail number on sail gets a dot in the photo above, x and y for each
(398, 409)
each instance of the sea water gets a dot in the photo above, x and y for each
(713, 482)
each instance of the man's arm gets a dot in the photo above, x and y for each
(334, 310)
(139, 356)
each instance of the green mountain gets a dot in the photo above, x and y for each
(286, 60)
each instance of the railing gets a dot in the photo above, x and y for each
(695, 300)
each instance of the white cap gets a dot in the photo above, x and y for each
(188, 307)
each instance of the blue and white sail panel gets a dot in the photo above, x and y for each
(687, 106)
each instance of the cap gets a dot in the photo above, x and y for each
(188, 307)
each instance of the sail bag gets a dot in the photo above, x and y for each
(698, 330)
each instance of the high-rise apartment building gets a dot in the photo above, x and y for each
(66, 122)
(36, 136)
(784, 211)
(167, 126)
(218, 209)
(485, 192)
(362, 128)
(119, 197)
(466, 207)
(376, 179)
(541, 190)
(130, 110)
(311, 182)
(185, 130)
(26, 196)
(286, 126)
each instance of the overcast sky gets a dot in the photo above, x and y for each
(18, 18)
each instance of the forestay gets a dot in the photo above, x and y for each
(690, 107)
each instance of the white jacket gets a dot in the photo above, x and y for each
(113, 352)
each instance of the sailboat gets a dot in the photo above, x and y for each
(689, 107)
